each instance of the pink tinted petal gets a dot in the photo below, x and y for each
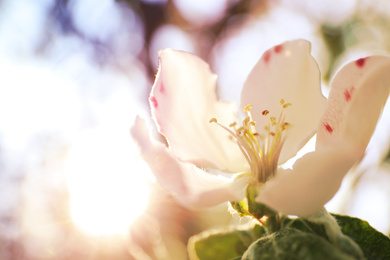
(314, 180)
(359, 92)
(192, 186)
(288, 72)
(183, 100)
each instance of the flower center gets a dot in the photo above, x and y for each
(261, 149)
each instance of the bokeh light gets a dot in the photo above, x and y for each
(170, 36)
(245, 42)
(324, 12)
(107, 183)
(202, 12)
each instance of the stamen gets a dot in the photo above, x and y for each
(259, 136)
(214, 120)
(285, 126)
(246, 120)
(284, 104)
(233, 124)
(247, 108)
(273, 120)
(241, 130)
(260, 150)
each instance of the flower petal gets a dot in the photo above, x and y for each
(192, 186)
(183, 100)
(288, 72)
(314, 180)
(358, 94)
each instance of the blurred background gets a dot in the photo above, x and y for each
(75, 73)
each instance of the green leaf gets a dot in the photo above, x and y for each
(333, 37)
(339, 240)
(374, 244)
(223, 244)
(257, 210)
(337, 39)
(306, 226)
(240, 207)
(290, 243)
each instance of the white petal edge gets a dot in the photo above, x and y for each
(312, 182)
(193, 187)
(183, 100)
(358, 94)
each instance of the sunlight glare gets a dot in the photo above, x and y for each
(106, 181)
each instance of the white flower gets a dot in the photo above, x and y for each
(201, 156)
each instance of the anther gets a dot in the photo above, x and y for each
(247, 108)
(285, 125)
(286, 105)
(259, 135)
(213, 120)
(265, 112)
(233, 124)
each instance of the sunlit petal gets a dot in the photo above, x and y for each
(288, 72)
(312, 182)
(358, 95)
(183, 100)
(192, 186)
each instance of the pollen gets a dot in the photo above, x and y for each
(247, 108)
(285, 125)
(231, 125)
(260, 149)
